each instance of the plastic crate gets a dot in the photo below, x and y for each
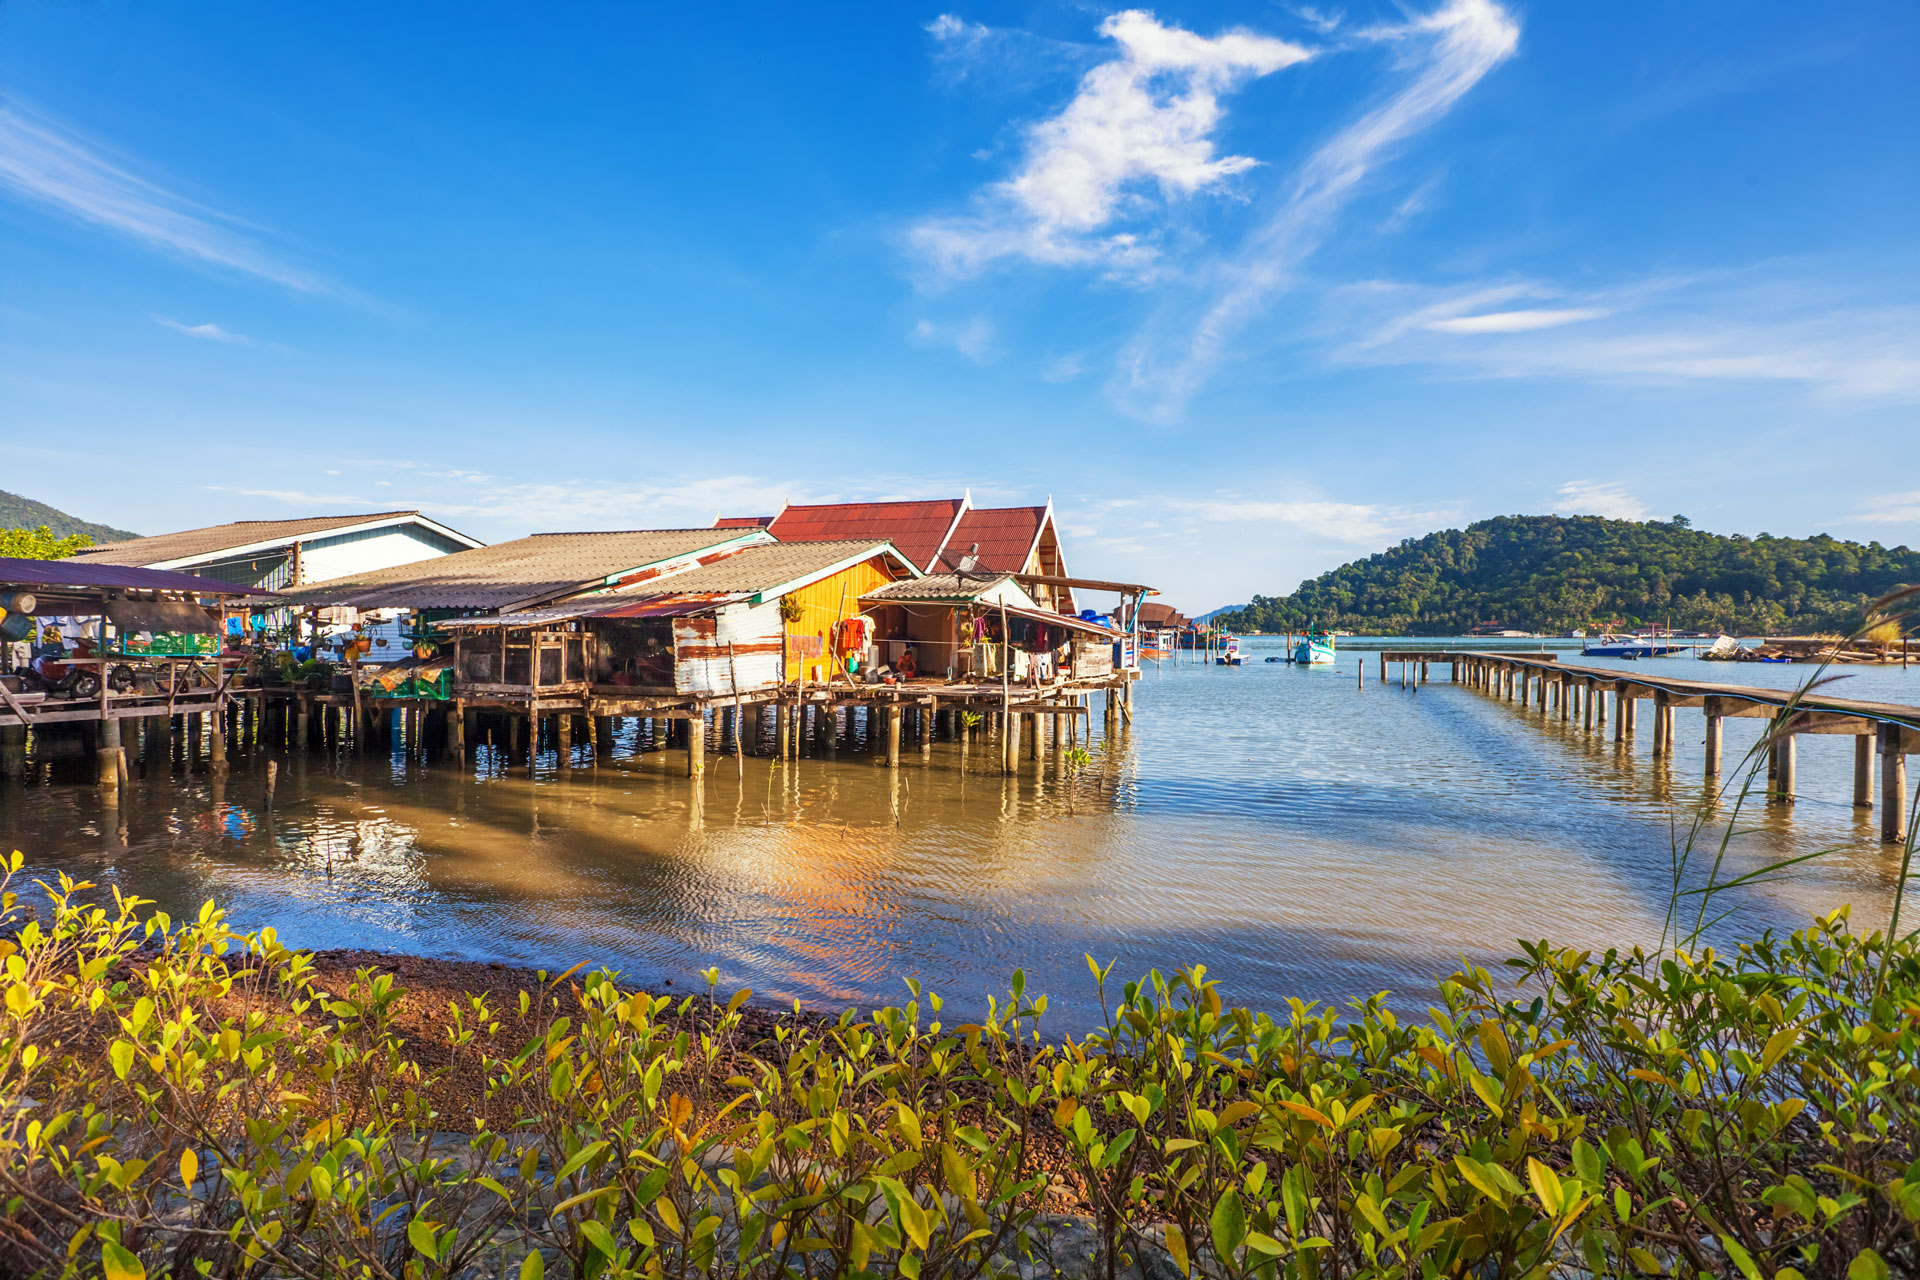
(169, 644)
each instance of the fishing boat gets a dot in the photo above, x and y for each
(1229, 655)
(1315, 649)
(1613, 646)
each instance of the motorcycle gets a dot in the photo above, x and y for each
(57, 675)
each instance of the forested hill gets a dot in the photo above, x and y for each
(1554, 573)
(17, 512)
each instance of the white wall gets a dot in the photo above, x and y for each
(338, 556)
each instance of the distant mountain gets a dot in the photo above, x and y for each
(1553, 573)
(17, 512)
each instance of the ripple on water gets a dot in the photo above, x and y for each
(1296, 834)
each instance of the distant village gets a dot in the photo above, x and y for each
(924, 609)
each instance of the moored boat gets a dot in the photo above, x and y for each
(1315, 649)
(1229, 655)
(1612, 646)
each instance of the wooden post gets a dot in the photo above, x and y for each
(1586, 704)
(895, 714)
(1711, 766)
(1567, 684)
(1010, 735)
(1659, 723)
(929, 717)
(697, 743)
(217, 739)
(1863, 771)
(457, 729)
(563, 739)
(1629, 707)
(1893, 785)
(1600, 710)
(1783, 792)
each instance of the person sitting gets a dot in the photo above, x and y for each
(905, 666)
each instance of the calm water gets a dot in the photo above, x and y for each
(1297, 835)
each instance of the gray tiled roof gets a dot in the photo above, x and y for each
(213, 539)
(526, 571)
(774, 565)
(940, 586)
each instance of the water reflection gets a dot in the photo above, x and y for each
(1298, 834)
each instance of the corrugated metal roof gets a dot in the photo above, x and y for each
(81, 573)
(743, 522)
(1064, 620)
(163, 547)
(918, 529)
(939, 587)
(525, 571)
(1005, 535)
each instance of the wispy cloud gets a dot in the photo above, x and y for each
(1889, 508)
(209, 331)
(972, 338)
(1778, 323)
(1141, 126)
(44, 163)
(1515, 321)
(1447, 53)
(1599, 498)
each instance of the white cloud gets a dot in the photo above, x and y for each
(1449, 51)
(48, 165)
(1515, 321)
(1764, 325)
(209, 331)
(1889, 508)
(972, 338)
(1144, 120)
(1599, 498)
(1064, 369)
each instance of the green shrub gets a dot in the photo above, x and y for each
(182, 1099)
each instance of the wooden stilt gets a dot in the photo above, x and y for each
(1711, 764)
(697, 745)
(894, 717)
(1893, 785)
(1784, 789)
(1863, 771)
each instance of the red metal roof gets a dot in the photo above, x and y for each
(80, 573)
(1006, 536)
(743, 522)
(918, 529)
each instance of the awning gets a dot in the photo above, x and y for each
(159, 615)
(1052, 619)
(669, 606)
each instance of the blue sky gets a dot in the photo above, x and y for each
(1249, 289)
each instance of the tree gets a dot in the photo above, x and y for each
(40, 544)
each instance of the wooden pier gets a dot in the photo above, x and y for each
(1883, 731)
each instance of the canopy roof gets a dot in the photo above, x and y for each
(83, 574)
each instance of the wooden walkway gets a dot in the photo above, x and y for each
(1886, 730)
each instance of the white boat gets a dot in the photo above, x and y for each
(1230, 655)
(1315, 649)
(1611, 646)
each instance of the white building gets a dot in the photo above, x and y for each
(282, 554)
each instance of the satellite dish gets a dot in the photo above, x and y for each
(968, 562)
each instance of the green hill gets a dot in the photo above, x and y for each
(17, 512)
(1553, 573)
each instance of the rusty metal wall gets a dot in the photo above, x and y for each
(700, 649)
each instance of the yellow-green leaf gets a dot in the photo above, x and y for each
(120, 1264)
